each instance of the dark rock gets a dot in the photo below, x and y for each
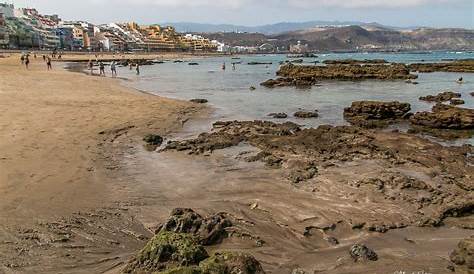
(306, 114)
(193, 64)
(360, 252)
(199, 101)
(153, 139)
(332, 241)
(463, 255)
(280, 115)
(375, 114)
(445, 117)
(252, 88)
(472, 93)
(442, 97)
(287, 82)
(209, 230)
(259, 63)
(456, 102)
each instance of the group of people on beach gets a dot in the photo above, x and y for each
(113, 68)
(25, 60)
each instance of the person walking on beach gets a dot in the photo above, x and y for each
(44, 57)
(90, 66)
(48, 63)
(233, 66)
(22, 59)
(101, 69)
(223, 66)
(27, 62)
(138, 69)
(113, 68)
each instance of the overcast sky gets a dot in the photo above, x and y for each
(437, 13)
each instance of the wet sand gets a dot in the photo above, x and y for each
(82, 194)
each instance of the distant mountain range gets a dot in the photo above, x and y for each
(272, 28)
(356, 38)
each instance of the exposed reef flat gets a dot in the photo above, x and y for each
(302, 75)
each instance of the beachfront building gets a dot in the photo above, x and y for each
(81, 34)
(26, 28)
(221, 47)
(299, 48)
(198, 43)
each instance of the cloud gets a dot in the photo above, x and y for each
(365, 3)
(229, 4)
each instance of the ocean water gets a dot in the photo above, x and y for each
(228, 91)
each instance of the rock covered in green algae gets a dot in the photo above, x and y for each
(167, 250)
(230, 263)
(219, 263)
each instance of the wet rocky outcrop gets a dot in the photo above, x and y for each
(376, 114)
(170, 252)
(199, 101)
(354, 62)
(441, 97)
(445, 117)
(463, 256)
(152, 141)
(455, 66)
(306, 114)
(167, 250)
(362, 253)
(279, 115)
(306, 76)
(457, 102)
(423, 180)
(209, 230)
(230, 263)
(347, 72)
(299, 82)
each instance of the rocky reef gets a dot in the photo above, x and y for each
(372, 114)
(306, 114)
(445, 117)
(455, 66)
(441, 97)
(444, 189)
(354, 62)
(304, 76)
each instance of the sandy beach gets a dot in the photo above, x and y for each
(54, 125)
